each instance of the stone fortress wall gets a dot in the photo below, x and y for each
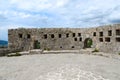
(104, 38)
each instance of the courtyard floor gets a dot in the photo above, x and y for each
(59, 67)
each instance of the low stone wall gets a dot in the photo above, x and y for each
(5, 51)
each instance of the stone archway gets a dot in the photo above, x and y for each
(88, 43)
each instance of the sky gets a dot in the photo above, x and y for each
(56, 14)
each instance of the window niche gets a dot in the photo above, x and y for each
(67, 35)
(28, 36)
(94, 34)
(101, 39)
(110, 33)
(118, 39)
(118, 32)
(80, 39)
(45, 36)
(101, 34)
(20, 35)
(60, 46)
(79, 34)
(52, 36)
(59, 35)
(72, 47)
(107, 39)
(73, 34)
(75, 39)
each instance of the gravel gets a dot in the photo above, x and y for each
(59, 67)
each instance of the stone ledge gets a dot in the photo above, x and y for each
(36, 51)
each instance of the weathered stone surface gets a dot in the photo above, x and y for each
(103, 37)
(6, 51)
(35, 51)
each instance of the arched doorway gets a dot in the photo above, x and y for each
(88, 43)
(36, 44)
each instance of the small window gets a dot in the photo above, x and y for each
(107, 39)
(60, 35)
(45, 36)
(75, 39)
(118, 32)
(79, 34)
(20, 35)
(110, 33)
(80, 39)
(52, 36)
(118, 39)
(67, 35)
(73, 34)
(94, 34)
(28, 36)
(101, 39)
(101, 33)
(72, 47)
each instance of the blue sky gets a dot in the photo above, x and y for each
(56, 13)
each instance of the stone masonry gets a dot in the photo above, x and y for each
(105, 38)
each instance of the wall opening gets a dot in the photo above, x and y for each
(94, 34)
(75, 39)
(117, 31)
(45, 36)
(118, 39)
(28, 36)
(72, 47)
(60, 46)
(88, 43)
(101, 39)
(107, 39)
(20, 35)
(101, 34)
(59, 35)
(67, 35)
(110, 33)
(73, 34)
(52, 36)
(80, 39)
(79, 34)
(36, 44)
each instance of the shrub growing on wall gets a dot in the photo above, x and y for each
(37, 45)
(89, 42)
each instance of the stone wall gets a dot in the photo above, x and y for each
(5, 51)
(103, 37)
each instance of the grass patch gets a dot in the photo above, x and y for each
(95, 50)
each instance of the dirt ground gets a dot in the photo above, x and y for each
(59, 67)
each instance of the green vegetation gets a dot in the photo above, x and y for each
(118, 53)
(89, 43)
(95, 50)
(37, 45)
(15, 54)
